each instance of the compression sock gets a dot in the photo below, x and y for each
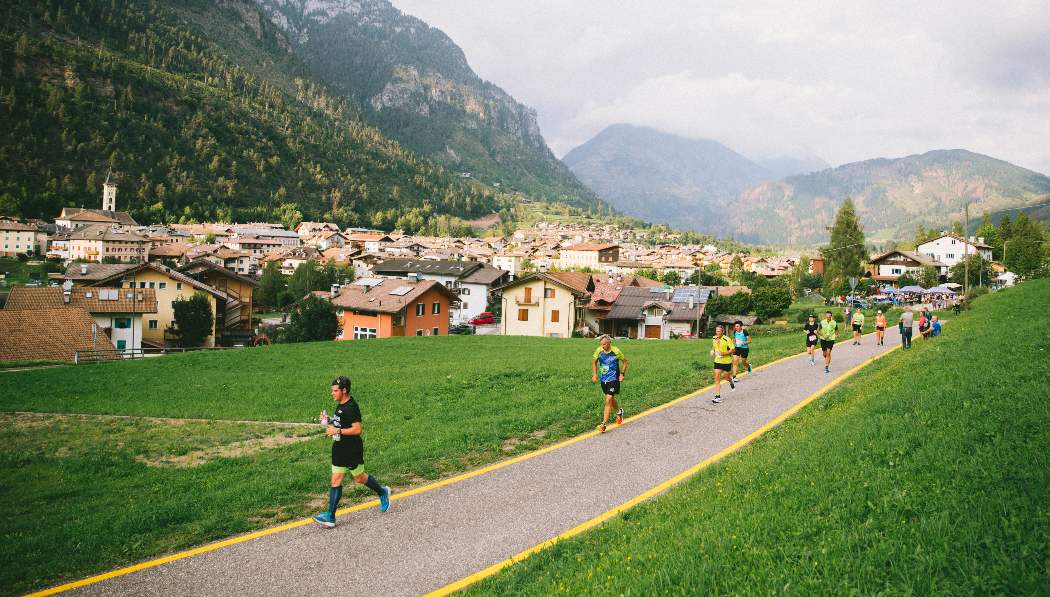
(373, 485)
(334, 493)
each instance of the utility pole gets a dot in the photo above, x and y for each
(966, 249)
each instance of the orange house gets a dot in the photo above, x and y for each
(385, 307)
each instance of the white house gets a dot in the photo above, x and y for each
(469, 281)
(950, 249)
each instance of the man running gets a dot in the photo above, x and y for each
(858, 325)
(811, 328)
(348, 452)
(906, 322)
(829, 329)
(722, 351)
(880, 328)
(742, 345)
(608, 367)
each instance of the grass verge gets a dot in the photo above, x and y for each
(927, 472)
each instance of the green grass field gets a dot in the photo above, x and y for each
(131, 486)
(926, 473)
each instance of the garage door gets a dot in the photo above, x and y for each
(652, 331)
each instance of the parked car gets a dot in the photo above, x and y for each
(483, 318)
(461, 329)
(859, 303)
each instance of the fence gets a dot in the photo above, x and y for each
(107, 355)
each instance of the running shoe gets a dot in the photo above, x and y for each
(619, 417)
(717, 399)
(384, 500)
(735, 380)
(732, 385)
(826, 370)
(325, 519)
(601, 428)
(749, 367)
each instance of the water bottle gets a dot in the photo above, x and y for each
(324, 418)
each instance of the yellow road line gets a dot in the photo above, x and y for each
(593, 522)
(414, 491)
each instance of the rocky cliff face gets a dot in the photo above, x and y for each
(415, 84)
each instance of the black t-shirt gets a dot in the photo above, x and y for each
(350, 449)
(811, 329)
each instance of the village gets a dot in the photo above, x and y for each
(119, 281)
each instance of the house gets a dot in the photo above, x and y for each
(656, 313)
(370, 242)
(52, 334)
(592, 255)
(469, 280)
(17, 238)
(291, 257)
(386, 307)
(100, 241)
(234, 323)
(117, 313)
(253, 245)
(287, 238)
(950, 249)
(510, 261)
(169, 285)
(545, 304)
(889, 266)
(310, 228)
(72, 218)
(325, 239)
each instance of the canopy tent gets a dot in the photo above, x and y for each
(939, 290)
(913, 289)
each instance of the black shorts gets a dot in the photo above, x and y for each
(880, 328)
(856, 327)
(827, 344)
(724, 366)
(611, 388)
(742, 352)
(350, 454)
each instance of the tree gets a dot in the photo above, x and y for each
(770, 301)
(736, 268)
(980, 270)
(928, 277)
(672, 278)
(648, 272)
(313, 319)
(795, 276)
(845, 255)
(271, 284)
(906, 279)
(193, 318)
(990, 234)
(305, 279)
(957, 229)
(1023, 247)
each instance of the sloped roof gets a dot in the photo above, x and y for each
(140, 300)
(590, 247)
(203, 265)
(53, 334)
(438, 267)
(93, 272)
(919, 258)
(633, 300)
(169, 272)
(13, 225)
(387, 296)
(486, 274)
(106, 232)
(579, 281)
(97, 215)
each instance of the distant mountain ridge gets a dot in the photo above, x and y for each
(414, 83)
(662, 177)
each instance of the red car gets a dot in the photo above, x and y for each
(484, 318)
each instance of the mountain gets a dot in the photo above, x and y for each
(203, 110)
(892, 196)
(413, 83)
(782, 166)
(664, 178)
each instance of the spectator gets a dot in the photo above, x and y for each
(935, 327)
(905, 325)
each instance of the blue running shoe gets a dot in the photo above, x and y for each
(325, 519)
(384, 500)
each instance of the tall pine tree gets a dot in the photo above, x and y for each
(845, 255)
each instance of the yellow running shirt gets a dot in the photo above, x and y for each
(723, 344)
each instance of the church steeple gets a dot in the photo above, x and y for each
(109, 194)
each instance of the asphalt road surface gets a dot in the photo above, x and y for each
(433, 538)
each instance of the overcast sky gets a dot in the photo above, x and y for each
(876, 79)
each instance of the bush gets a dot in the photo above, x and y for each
(313, 319)
(770, 301)
(194, 319)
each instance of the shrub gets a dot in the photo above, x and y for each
(771, 301)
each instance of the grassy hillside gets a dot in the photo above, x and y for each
(927, 473)
(133, 485)
(202, 111)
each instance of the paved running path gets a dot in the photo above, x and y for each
(431, 539)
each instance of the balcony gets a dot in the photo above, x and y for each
(526, 301)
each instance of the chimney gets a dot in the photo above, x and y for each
(83, 269)
(67, 291)
(334, 289)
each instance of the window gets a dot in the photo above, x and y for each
(435, 309)
(523, 314)
(420, 309)
(178, 286)
(528, 294)
(436, 332)
(364, 333)
(464, 291)
(122, 323)
(153, 324)
(555, 316)
(122, 345)
(896, 270)
(419, 332)
(142, 284)
(152, 285)
(548, 293)
(162, 285)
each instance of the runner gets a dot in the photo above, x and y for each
(348, 452)
(829, 329)
(880, 328)
(722, 351)
(812, 327)
(608, 367)
(906, 323)
(858, 325)
(742, 343)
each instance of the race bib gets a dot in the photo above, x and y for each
(812, 337)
